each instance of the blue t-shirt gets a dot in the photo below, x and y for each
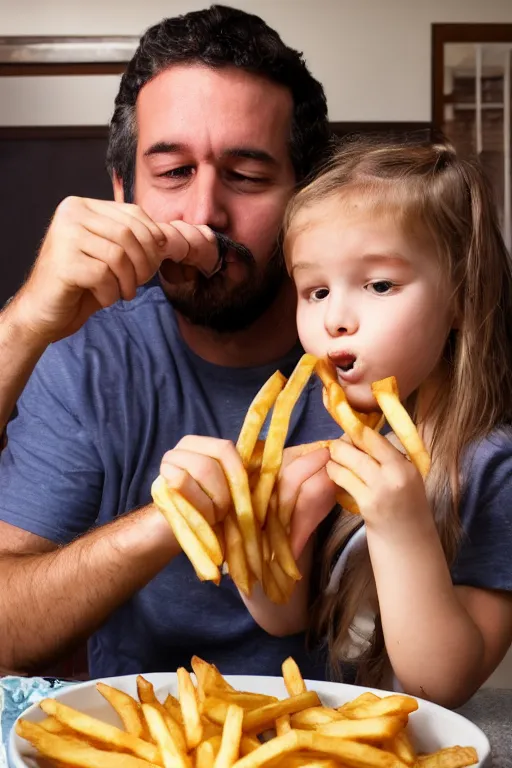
(97, 415)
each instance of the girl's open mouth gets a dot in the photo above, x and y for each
(344, 362)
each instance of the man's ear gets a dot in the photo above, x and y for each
(117, 185)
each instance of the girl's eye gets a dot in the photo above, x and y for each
(319, 294)
(380, 287)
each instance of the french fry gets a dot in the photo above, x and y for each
(204, 566)
(362, 699)
(248, 744)
(401, 746)
(259, 719)
(372, 729)
(238, 482)
(339, 406)
(198, 525)
(451, 757)
(241, 698)
(333, 395)
(172, 705)
(347, 502)
(101, 732)
(231, 738)
(235, 556)
(147, 695)
(311, 719)
(205, 755)
(283, 725)
(52, 725)
(271, 587)
(127, 708)
(256, 415)
(293, 679)
(270, 751)
(395, 704)
(208, 676)
(387, 396)
(189, 708)
(172, 755)
(285, 583)
(277, 432)
(254, 465)
(350, 752)
(280, 544)
(73, 751)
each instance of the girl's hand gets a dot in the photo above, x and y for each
(388, 489)
(305, 488)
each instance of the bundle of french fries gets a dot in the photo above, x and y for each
(211, 725)
(253, 542)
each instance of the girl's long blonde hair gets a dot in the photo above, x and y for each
(427, 186)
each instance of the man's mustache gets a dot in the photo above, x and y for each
(226, 244)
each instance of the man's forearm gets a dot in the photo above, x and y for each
(433, 644)
(51, 601)
(19, 352)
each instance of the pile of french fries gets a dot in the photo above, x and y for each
(253, 542)
(212, 725)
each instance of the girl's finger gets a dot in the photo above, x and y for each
(379, 448)
(362, 465)
(347, 480)
(316, 498)
(292, 476)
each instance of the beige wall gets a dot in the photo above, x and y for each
(373, 57)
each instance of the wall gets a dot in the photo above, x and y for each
(373, 56)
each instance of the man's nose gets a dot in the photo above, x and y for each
(204, 201)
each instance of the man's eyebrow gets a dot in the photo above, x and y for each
(164, 148)
(250, 153)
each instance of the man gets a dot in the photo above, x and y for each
(215, 123)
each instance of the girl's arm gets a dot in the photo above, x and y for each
(442, 641)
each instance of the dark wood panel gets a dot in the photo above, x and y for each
(29, 69)
(36, 175)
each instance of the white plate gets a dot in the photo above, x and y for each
(431, 727)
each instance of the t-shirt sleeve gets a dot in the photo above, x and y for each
(51, 475)
(484, 558)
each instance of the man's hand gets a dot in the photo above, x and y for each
(97, 252)
(195, 468)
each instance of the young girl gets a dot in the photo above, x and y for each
(401, 271)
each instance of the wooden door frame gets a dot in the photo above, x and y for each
(458, 33)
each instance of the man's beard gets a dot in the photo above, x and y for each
(214, 303)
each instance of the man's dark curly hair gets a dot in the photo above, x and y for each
(220, 37)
